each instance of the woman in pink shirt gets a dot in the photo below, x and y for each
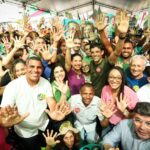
(117, 95)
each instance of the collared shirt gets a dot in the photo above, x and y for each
(85, 117)
(124, 132)
(75, 81)
(28, 99)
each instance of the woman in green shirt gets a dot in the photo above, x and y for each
(59, 83)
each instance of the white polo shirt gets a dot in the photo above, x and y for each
(85, 117)
(28, 99)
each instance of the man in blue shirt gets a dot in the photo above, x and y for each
(134, 134)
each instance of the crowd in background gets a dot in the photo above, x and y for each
(66, 87)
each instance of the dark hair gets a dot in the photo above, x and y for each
(147, 71)
(18, 53)
(76, 140)
(17, 61)
(33, 58)
(52, 78)
(74, 55)
(98, 45)
(142, 108)
(121, 90)
(60, 42)
(89, 85)
(128, 41)
(33, 34)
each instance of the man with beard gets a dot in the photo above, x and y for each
(126, 54)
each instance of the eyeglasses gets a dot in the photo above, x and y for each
(139, 121)
(114, 78)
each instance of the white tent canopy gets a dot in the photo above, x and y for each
(82, 7)
(85, 5)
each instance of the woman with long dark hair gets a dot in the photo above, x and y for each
(59, 83)
(118, 95)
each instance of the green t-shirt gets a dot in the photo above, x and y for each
(99, 73)
(57, 92)
(125, 65)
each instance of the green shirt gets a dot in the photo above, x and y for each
(99, 73)
(125, 65)
(57, 92)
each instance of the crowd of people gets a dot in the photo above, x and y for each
(63, 88)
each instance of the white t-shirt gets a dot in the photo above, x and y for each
(85, 117)
(28, 99)
(144, 93)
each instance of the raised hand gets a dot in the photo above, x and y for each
(42, 21)
(10, 28)
(107, 109)
(99, 23)
(122, 102)
(50, 138)
(7, 44)
(2, 72)
(25, 20)
(61, 86)
(122, 22)
(147, 33)
(45, 52)
(61, 110)
(57, 30)
(18, 42)
(69, 39)
(9, 116)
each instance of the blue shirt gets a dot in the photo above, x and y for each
(124, 132)
(135, 84)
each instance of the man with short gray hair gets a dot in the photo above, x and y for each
(136, 77)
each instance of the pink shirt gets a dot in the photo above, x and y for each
(106, 96)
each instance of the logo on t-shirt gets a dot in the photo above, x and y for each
(41, 96)
(76, 110)
(98, 69)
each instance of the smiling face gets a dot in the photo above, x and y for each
(142, 126)
(76, 63)
(85, 67)
(96, 54)
(114, 79)
(77, 44)
(137, 68)
(127, 50)
(69, 139)
(34, 71)
(20, 69)
(59, 73)
(87, 94)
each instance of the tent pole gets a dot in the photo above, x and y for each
(93, 5)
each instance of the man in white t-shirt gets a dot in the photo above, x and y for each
(30, 93)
